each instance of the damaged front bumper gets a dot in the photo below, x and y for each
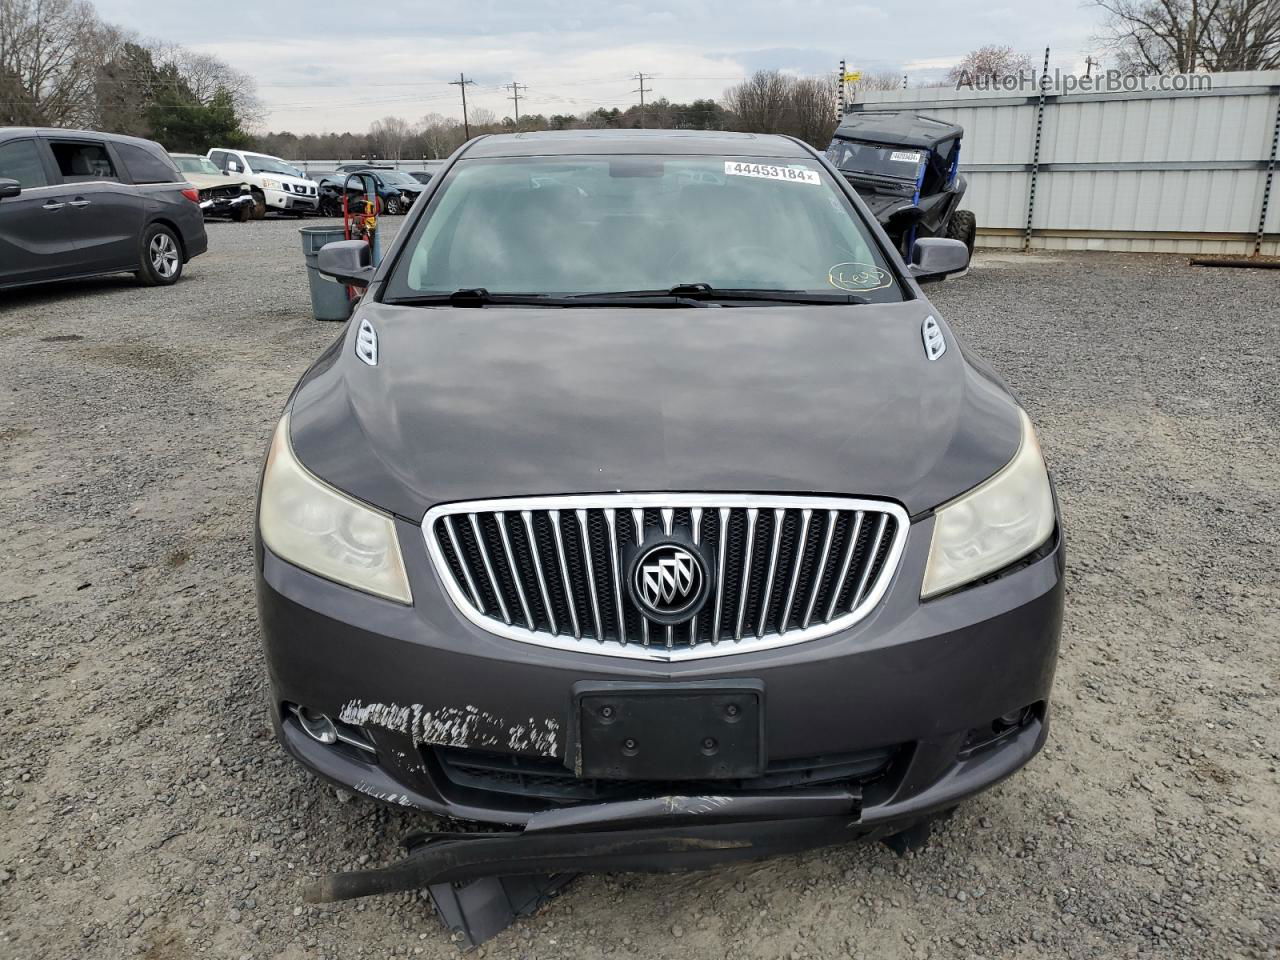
(225, 206)
(913, 709)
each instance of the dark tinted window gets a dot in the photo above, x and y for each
(219, 159)
(82, 161)
(20, 160)
(145, 166)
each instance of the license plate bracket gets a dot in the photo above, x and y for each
(710, 730)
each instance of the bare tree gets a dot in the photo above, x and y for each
(989, 63)
(1183, 36)
(884, 80)
(773, 102)
(388, 135)
(49, 52)
(440, 135)
(206, 75)
(812, 110)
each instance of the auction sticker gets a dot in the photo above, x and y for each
(768, 171)
(858, 277)
(905, 156)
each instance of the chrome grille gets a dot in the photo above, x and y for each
(552, 570)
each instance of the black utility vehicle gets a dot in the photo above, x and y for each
(907, 169)
(649, 510)
(75, 203)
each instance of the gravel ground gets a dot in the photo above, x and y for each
(145, 810)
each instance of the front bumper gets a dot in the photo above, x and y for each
(290, 201)
(921, 683)
(225, 206)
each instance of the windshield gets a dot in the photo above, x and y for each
(196, 165)
(398, 178)
(875, 158)
(261, 164)
(595, 224)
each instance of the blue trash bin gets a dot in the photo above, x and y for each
(329, 300)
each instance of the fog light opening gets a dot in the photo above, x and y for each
(316, 726)
(1000, 729)
(323, 729)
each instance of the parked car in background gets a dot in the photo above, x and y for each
(396, 190)
(276, 184)
(76, 203)
(422, 176)
(221, 195)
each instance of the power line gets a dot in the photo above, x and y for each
(515, 89)
(642, 78)
(461, 83)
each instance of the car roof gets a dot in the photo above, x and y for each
(672, 142)
(897, 127)
(9, 133)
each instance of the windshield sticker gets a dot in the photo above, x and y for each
(767, 171)
(905, 156)
(858, 277)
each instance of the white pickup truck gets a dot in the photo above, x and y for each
(276, 185)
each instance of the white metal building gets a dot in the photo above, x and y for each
(1189, 171)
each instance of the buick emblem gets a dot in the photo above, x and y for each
(668, 582)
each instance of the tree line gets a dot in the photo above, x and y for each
(63, 66)
(767, 102)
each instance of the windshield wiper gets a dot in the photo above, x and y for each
(480, 297)
(705, 292)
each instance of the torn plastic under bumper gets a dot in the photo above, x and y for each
(669, 833)
(636, 836)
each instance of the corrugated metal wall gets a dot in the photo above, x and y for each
(1142, 171)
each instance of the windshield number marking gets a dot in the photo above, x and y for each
(767, 171)
(905, 156)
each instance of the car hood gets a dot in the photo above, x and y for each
(207, 181)
(496, 402)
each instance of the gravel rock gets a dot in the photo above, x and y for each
(145, 810)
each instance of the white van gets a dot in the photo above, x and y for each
(275, 184)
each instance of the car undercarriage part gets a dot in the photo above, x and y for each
(472, 876)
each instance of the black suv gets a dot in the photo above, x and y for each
(79, 204)
(648, 505)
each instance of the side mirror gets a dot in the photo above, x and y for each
(937, 258)
(348, 261)
(9, 188)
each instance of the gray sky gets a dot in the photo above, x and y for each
(323, 65)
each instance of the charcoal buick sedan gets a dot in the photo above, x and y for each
(648, 508)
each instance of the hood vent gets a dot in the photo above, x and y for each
(935, 345)
(367, 343)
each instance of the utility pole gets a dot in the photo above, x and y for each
(462, 82)
(515, 89)
(840, 85)
(642, 78)
(1089, 64)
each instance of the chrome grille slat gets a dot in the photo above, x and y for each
(585, 534)
(511, 564)
(797, 561)
(778, 517)
(562, 566)
(866, 570)
(637, 520)
(832, 517)
(849, 549)
(565, 582)
(722, 543)
(488, 566)
(527, 517)
(752, 516)
(615, 563)
(466, 568)
(695, 521)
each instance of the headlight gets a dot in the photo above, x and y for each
(270, 184)
(995, 523)
(308, 523)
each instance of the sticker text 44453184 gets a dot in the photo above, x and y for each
(768, 171)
